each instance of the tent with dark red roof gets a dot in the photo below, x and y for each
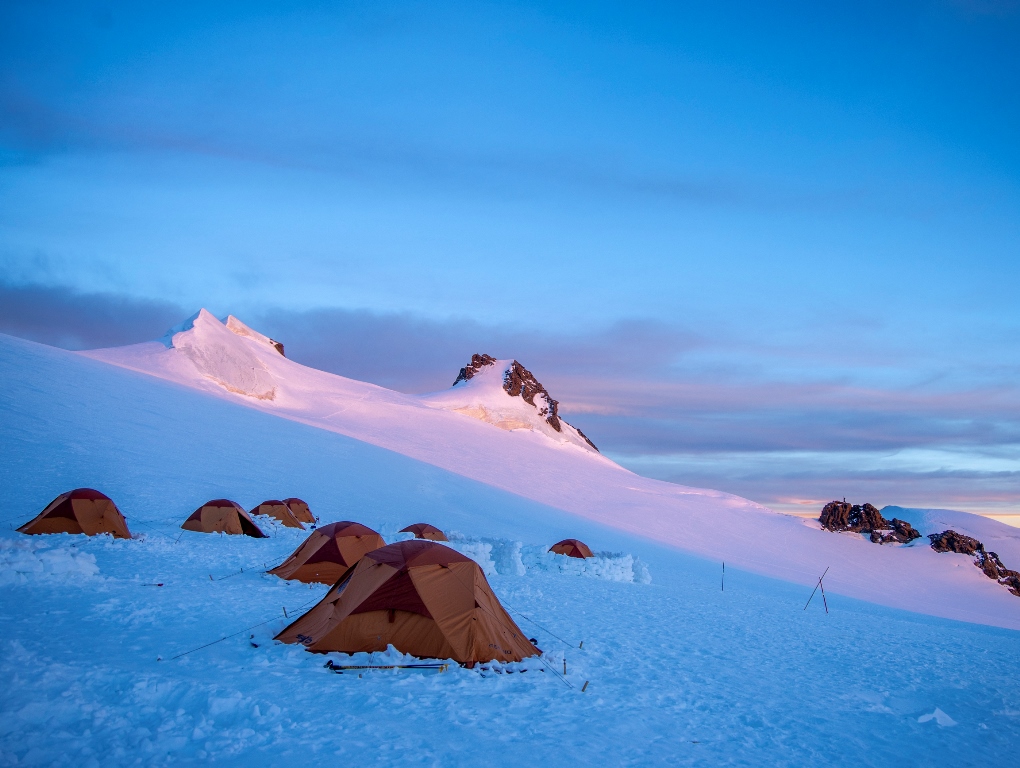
(422, 598)
(222, 516)
(571, 548)
(328, 552)
(83, 510)
(425, 531)
(300, 510)
(279, 510)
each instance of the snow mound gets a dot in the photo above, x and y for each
(608, 566)
(507, 395)
(21, 561)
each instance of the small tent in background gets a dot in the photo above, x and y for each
(422, 598)
(222, 516)
(328, 552)
(300, 510)
(425, 531)
(571, 548)
(279, 510)
(82, 510)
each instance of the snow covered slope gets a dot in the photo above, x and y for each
(680, 672)
(549, 467)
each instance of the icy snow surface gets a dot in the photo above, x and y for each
(547, 468)
(680, 672)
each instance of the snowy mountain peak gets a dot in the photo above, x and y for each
(226, 352)
(205, 319)
(479, 381)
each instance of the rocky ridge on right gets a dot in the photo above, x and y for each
(988, 562)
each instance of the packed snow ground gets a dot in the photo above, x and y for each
(679, 671)
(229, 362)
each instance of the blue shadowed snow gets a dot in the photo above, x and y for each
(679, 671)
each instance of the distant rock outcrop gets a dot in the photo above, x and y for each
(988, 562)
(841, 516)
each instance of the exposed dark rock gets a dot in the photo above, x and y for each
(988, 562)
(951, 541)
(278, 345)
(589, 443)
(518, 380)
(841, 516)
(902, 533)
(477, 363)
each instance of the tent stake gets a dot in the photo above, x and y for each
(285, 613)
(564, 666)
(584, 687)
(723, 583)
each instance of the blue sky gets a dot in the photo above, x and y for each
(773, 250)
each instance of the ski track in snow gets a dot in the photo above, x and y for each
(680, 672)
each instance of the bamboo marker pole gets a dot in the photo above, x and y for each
(815, 590)
(723, 583)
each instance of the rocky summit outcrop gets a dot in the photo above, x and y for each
(518, 381)
(988, 562)
(478, 362)
(857, 518)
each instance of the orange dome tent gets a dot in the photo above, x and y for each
(82, 510)
(300, 510)
(279, 510)
(329, 552)
(422, 598)
(425, 531)
(571, 548)
(222, 516)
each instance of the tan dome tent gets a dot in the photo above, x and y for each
(222, 516)
(329, 552)
(425, 531)
(82, 510)
(279, 510)
(571, 548)
(421, 597)
(300, 510)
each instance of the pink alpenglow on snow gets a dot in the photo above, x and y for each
(484, 430)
